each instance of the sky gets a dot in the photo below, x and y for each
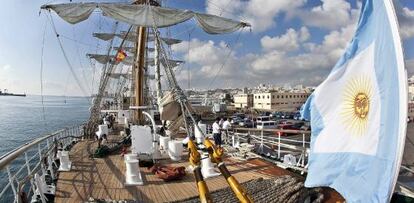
(290, 42)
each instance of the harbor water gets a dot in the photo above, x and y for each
(23, 119)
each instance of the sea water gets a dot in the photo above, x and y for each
(23, 119)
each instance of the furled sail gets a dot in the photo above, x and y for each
(132, 37)
(104, 36)
(119, 75)
(132, 49)
(129, 60)
(145, 15)
(104, 59)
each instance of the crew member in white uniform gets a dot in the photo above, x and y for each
(216, 132)
(226, 128)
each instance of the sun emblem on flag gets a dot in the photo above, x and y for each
(356, 104)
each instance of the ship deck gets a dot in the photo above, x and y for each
(103, 178)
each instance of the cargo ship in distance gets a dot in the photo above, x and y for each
(6, 93)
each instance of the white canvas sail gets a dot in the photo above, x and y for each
(132, 37)
(129, 60)
(145, 15)
(132, 49)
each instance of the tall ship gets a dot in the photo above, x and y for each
(144, 141)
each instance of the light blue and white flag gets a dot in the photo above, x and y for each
(359, 113)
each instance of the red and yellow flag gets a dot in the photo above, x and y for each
(120, 56)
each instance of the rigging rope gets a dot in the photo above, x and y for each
(66, 58)
(226, 59)
(80, 61)
(41, 71)
(97, 48)
(76, 41)
(188, 58)
(94, 117)
(221, 10)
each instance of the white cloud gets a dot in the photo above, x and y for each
(331, 14)
(290, 41)
(260, 13)
(6, 67)
(409, 65)
(406, 21)
(206, 58)
(304, 34)
(273, 65)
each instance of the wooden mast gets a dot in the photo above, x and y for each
(139, 65)
(138, 70)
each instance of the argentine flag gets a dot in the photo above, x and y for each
(359, 113)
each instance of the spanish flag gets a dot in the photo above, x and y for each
(120, 56)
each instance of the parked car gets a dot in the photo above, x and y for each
(285, 126)
(306, 127)
(283, 121)
(265, 114)
(236, 120)
(246, 123)
(297, 126)
(276, 115)
(239, 115)
(290, 115)
(297, 116)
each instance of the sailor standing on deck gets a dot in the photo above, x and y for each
(226, 127)
(221, 122)
(216, 132)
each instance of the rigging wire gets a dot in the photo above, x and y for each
(80, 61)
(97, 48)
(225, 60)
(77, 41)
(66, 58)
(41, 72)
(221, 10)
(188, 58)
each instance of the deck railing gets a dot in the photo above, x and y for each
(19, 165)
(276, 142)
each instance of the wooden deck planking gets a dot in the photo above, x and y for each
(104, 178)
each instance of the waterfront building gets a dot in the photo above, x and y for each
(279, 101)
(243, 100)
(411, 109)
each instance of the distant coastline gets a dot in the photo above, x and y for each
(12, 94)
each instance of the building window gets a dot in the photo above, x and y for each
(273, 96)
(290, 96)
(282, 96)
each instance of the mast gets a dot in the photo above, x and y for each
(139, 66)
(139, 72)
(157, 70)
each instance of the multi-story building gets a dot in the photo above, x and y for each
(411, 109)
(411, 92)
(243, 100)
(281, 101)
